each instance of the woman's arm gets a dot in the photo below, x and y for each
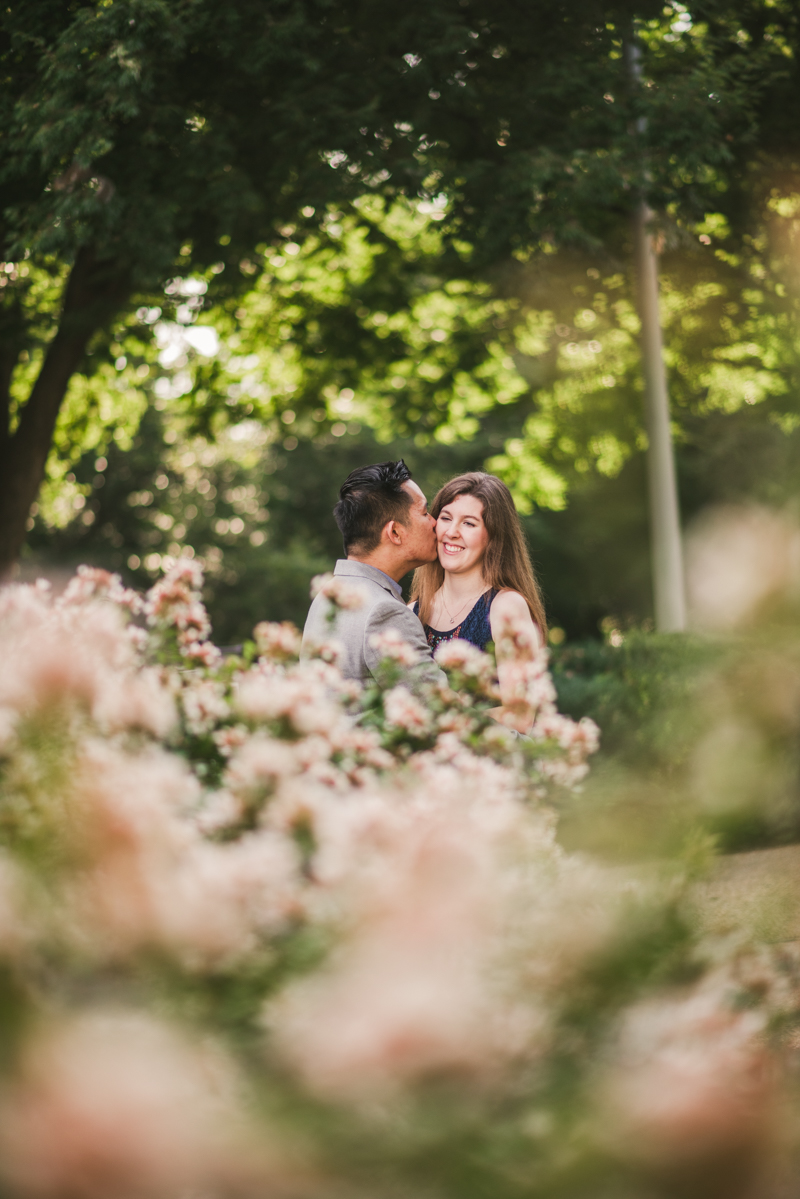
(509, 607)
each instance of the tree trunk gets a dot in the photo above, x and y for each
(93, 293)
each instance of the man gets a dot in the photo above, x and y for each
(387, 531)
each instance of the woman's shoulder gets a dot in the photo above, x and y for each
(507, 602)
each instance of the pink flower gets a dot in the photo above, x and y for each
(281, 642)
(140, 700)
(138, 638)
(220, 811)
(562, 772)
(392, 646)
(174, 601)
(406, 996)
(90, 582)
(465, 658)
(77, 656)
(205, 653)
(691, 1080)
(454, 721)
(256, 767)
(329, 651)
(116, 1103)
(337, 591)
(149, 879)
(299, 696)
(579, 738)
(405, 711)
(230, 738)
(517, 638)
(203, 705)
(225, 900)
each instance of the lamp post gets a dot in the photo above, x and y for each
(669, 593)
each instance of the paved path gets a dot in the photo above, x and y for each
(757, 891)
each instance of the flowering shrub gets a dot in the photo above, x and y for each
(258, 923)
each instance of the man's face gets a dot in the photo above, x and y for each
(419, 541)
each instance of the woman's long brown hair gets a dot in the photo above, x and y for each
(506, 563)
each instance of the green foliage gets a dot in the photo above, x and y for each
(361, 322)
(362, 325)
(302, 104)
(365, 325)
(638, 687)
(730, 346)
(514, 129)
(695, 735)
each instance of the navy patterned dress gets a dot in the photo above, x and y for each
(475, 626)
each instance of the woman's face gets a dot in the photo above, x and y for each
(461, 535)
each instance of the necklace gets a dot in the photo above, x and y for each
(470, 599)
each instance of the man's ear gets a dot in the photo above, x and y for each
(392, 530)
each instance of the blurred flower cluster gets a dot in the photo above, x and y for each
(266, 931)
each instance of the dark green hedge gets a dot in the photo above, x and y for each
(696, 735)
(640, 692)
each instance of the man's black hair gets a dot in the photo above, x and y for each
(370, 497)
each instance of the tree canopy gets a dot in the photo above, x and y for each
(147, 141)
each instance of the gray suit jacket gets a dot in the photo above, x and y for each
(381, 611)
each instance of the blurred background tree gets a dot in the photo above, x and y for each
(276, 311)
(447, 374)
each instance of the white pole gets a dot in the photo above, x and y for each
(665, 530)
(669, 592)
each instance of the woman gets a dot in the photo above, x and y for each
(483, 577)
(483, 574)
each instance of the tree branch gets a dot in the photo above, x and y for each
(8, 361)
